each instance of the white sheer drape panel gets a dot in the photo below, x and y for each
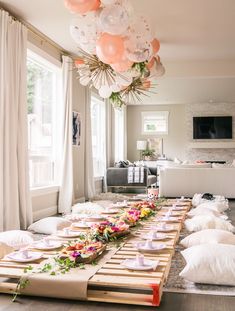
(89, 184)
(15, 201)
(66, 189)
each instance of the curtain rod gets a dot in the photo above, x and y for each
(37, 33)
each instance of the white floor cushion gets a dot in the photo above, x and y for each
(208, 236)
(5, 249)
(205, 211)
(210, 264)
(197, 199)
(49, 225)
(203, 222)
(215, 206)
(16, 238)
(87, 208)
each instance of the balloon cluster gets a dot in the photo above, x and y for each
(117, 46)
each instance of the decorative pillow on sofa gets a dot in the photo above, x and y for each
(16, 238)
(198, 223)
(205, 211)
(215, 236)
(210, 264)
(49, 225)
(5, 249)
(215, 206)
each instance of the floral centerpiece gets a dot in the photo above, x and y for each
(83, 251)
(131, 216)
(146, 204)
(108, 231)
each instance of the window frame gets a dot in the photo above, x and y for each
(147, 114)
(53, 64)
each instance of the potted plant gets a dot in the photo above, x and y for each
(148, 154)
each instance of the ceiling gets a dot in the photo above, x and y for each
(189, 31)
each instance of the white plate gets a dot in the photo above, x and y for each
(18, 257)
(155, 248)
(160, 236)
(71, 234)
(41, 245)
(169, 219)
(133, 265)
(166, 229)
(81, 225)
(119, 205)
(110, 211)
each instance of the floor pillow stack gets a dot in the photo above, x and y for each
(210, 250)
(198, 199)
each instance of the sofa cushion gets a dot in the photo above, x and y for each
(152, 179)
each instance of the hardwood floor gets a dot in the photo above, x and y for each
(170, 301)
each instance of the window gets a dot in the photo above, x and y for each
(119, 134)
(155, 122)
(43, 97)
(98, 135)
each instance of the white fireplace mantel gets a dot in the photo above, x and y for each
(212, 145)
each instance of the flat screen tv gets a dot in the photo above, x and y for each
(212, 127)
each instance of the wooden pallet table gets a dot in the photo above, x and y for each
(112, 282)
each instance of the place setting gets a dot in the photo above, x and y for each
(46, 245)
(140, 263)
(23, 256)
(68, 233)
(149, 246)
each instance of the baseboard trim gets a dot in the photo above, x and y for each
(46, 212)
(79, 200)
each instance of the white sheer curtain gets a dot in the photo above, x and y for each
(66, 189)
(89, 183)
(15, 201)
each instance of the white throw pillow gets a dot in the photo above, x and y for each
(205, 211)
(87, 208)
(220, 206)
(210, 264)
(5, 249)
(198, 223)
(208, 236)
(16, 238)
(49, 225)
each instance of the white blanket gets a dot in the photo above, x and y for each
(135, 174)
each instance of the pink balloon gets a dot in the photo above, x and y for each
(156, 46)
(82, 6)
(110, 48)
(150, 64)
(122, 66)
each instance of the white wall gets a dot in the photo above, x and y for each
(174, 142)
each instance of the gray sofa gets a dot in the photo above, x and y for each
(118, 178)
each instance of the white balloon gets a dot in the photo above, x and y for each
(84, 31)
(84, 80)
(105, 91)
(123, 79)
(114, 19)
(137, 50)
(116, 88)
